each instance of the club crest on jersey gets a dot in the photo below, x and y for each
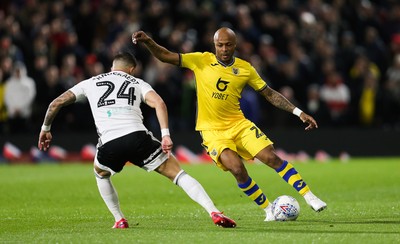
(214, 152)
(235, 70)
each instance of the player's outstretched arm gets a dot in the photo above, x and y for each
(155, 101)
(279, 101)
(161, 53)
(45, 135)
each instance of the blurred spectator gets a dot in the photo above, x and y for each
(391, 94)
(6, 66)
(48, 89)
(375, 48)
(73, 47)
(336, 95)
(316, 107)
(92, 66)
(347, 52)
(393, 79)
(368, 102)
(70, 71)
(281, 118)
(358, 75)
(3, 111)
(40, 65)
(9, 49)
(395, 44)
(19, 94)
(86, 23)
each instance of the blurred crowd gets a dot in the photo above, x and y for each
(338, 60)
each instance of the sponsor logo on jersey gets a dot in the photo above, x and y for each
(222, 85)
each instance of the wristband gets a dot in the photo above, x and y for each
(46, 128)
(164, 132)
(297, 111)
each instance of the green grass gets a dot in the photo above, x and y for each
(59, 203)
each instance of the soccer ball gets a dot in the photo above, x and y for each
(285, 208)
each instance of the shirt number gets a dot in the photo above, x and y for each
(123, 92)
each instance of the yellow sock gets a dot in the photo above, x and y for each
(291, 176)
(251, 189)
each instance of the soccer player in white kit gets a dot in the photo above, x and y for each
(115, 99)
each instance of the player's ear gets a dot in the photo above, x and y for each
(131, 70)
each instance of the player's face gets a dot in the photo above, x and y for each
(224, 48)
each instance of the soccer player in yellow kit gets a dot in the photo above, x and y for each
(227, 135)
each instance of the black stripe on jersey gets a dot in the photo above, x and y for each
(263, 88)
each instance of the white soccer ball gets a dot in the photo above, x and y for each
(285, 208)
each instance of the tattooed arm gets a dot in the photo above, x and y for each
(279, 101)
(45, 135)
(161, 53)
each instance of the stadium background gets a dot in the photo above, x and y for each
(314, 52)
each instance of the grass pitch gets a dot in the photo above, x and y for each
(59, 203)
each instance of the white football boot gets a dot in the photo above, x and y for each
(268, 213)
(314, 202)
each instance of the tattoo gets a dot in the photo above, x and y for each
(277, 99)
(63, 100)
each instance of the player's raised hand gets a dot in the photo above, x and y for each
(166, 144)
(139, 36)
(312, 124)
(44, 140)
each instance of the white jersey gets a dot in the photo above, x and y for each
(114, 99)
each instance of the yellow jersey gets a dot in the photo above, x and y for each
(219, 88)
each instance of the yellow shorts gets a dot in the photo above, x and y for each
(245, 138)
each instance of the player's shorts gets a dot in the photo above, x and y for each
(245, 138)
(140, 148)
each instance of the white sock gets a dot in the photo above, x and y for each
(268, 208)
(110, 196)
(309, 196)
(195, 191)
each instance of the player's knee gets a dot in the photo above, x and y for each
(170, 168)
(239, 172)
(99, 173)
(269, 157)
(180, 174)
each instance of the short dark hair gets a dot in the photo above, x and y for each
(126, 57)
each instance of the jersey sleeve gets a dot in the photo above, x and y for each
(145, 88)
(255, 80)
(79, 91)
(190, 60)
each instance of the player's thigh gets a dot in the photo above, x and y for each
(170, 168)
(215, 142)
(251, 140)
(232, 162)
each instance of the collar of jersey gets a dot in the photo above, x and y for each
(226, 65)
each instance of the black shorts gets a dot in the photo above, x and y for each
(139, 148)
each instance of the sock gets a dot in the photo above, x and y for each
(251, 189)
(195, 191)
(309, 196)
(110, 196)
(291, 176)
